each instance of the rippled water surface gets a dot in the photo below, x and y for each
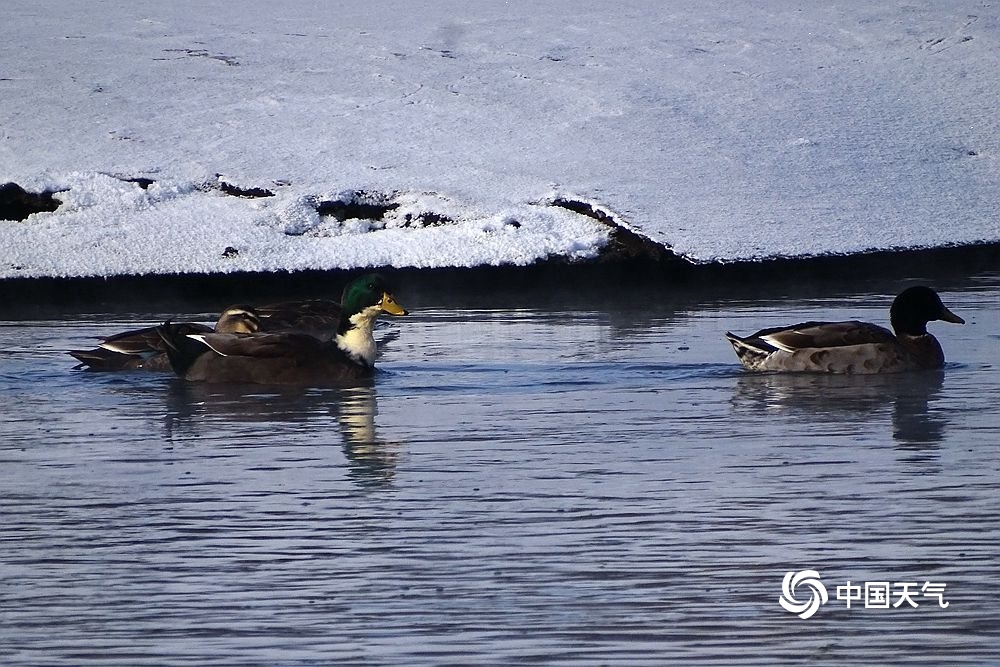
(590, 484)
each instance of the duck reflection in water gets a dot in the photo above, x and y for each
(371, 460)
(290, 413)
(842, 399)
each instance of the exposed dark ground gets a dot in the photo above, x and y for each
(553, 282)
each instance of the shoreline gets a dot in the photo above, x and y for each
(608, 276)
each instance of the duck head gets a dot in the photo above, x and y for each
(369, 292)
(364, 299)
(238, 319)
(915, 307)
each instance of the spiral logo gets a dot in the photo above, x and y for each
(817, 594)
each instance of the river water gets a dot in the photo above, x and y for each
(591, 483)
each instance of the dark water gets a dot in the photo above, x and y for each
(585, 485)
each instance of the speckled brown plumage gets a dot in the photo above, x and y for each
(852, 347)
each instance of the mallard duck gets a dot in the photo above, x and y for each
(144, 349)
(289, 358)
(853, 347)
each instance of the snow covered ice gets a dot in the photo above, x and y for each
(725, 131)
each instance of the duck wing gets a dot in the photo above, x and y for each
(147, 341)
(265, 345)
(317, 317)
(825, 335)
(293, 313)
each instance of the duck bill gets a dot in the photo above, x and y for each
(389, 305)
(949, 316)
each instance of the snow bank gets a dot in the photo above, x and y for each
(723, 131)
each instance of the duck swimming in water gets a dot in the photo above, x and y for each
(143, 349)
(292, 357)
(853, 347)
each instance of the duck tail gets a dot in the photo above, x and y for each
(182, 351)
(749, 355)
(100, 359)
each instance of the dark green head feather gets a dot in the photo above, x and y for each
(915, 307)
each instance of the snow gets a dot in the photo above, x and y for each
(724, 130)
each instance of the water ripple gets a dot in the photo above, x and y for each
(565, 490)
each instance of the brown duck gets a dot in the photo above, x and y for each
(853, 347)
(144, 349)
